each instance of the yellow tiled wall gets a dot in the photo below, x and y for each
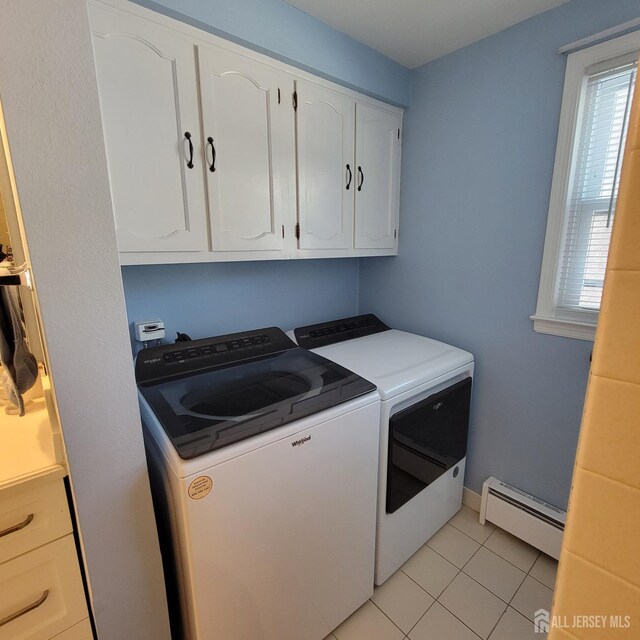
(599, 572)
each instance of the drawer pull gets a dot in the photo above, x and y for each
(29, 607)
(16, 527)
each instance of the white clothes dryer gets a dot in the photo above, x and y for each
(425, 391)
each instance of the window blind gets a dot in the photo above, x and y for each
(594, 187)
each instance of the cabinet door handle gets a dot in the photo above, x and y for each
(349, 176)
(16, 527)
(361, 178)
(187, 135)
(212, 166)
(30, 607)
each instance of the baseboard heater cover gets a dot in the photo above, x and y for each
(525, 516)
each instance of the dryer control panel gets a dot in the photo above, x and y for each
(326, 333)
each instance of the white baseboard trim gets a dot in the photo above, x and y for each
(471, 499)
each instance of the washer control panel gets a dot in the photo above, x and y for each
(189, 352)
(183, 358)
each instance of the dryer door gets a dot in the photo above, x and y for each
(425, 441)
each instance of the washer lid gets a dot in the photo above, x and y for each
(218, 391)
(396, 361)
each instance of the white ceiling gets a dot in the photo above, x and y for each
(413, 32)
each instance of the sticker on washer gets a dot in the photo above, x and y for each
(200, 487)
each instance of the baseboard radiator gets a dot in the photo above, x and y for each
(526, 517)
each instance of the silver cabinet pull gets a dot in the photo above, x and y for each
(29, 607)
(16, 527)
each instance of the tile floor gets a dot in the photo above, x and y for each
(467, 582)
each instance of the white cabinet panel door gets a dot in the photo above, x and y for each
(248, 132)
(31, 517)
(377, 177)
(326, 173)
(148, 96)
(42, 592)
(80, 631)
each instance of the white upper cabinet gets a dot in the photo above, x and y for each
(326, 172)
(148, 96)
(377, 177)
(219, 153)
(248, 137)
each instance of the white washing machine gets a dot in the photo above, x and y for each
(425, 388)
(263, 459)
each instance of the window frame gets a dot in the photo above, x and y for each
(547, 319)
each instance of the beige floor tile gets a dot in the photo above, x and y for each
(474, 605)
(453, 545)
(439, 624)
(513, 626)
(544, 570)
(495, 573)
(466, 520)
(368, 623)
(531, 596)
(330, 637)
(430, 570)
(402, 600)
(512, 549)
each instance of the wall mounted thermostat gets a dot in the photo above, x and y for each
(149, 330)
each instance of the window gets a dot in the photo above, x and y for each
(596, 102)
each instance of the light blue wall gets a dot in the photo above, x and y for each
(478, 151)
(210, 299)
(282, 31)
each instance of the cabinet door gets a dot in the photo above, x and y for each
(148, 96)
(377, 177)
(326, 176)
(248, 132)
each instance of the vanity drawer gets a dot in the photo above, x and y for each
(80, 631)
(31, 517)
(42, 592)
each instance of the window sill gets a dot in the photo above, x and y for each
(564, 328)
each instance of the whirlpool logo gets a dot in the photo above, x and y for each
(299, 443)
